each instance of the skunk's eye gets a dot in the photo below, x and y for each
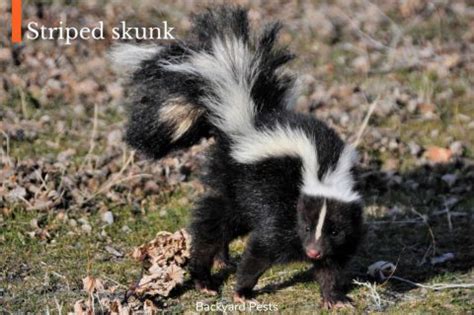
(307, 228)
(334, 232)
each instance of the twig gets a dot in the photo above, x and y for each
(26, 201)
(114, 281)
(437, 286)
(369, 39)
(7, 138)
(413, 221)
(106, 186)
(372, 291)
(24, 111)
(58, 306)
(397, 29)
(93, 136)
(57, 274)
(430, 230)
(448, 216)
(365, 122)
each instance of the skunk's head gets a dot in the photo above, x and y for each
(328, 227)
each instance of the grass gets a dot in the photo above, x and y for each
(39, 273)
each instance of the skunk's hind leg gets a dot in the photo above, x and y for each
(210, 235)
(255, 260)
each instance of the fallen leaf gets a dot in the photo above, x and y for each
(438, 154)
(113, 251)
(380, 270)
(91, 284)
(441, 259)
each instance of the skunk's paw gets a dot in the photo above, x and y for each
(205, 288)
(342, 302)
(238, 298)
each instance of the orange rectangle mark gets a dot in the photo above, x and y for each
(16, 21)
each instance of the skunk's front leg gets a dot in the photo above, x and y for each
(253, 264)
(328, 275)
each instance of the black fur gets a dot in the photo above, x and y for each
(153, 87)
(263, 199)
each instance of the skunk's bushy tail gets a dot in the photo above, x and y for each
(217, 80)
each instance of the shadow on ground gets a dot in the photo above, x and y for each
(411, 218)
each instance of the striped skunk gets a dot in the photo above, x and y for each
(282, 177)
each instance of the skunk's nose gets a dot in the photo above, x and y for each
(313, 254)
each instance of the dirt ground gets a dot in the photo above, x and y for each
(395, 77)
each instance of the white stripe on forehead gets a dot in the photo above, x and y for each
(321, 219)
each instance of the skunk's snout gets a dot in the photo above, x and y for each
(313, 254)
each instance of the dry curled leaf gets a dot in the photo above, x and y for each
(441, 259)
(380, 270)
(81, 308)
(438, 154)
(91, 284)
(166, 256)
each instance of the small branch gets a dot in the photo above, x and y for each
(106, 186)
(93, 136)
(365, 122)
(432, 246)
(448, 216)
(24, 110)
(437, 286)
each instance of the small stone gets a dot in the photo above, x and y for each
(83, 220)
(5, 55)
(457, 148)
(450, 179)
(86, 228)
(412, 184)
(34, 223)
(426, 108)
(415, 149)
(441, 259)
(361, 64)
(344, 119)
(412, 105)
(114, 138)
(103, 235)
(65, 155)
(393, 144)
(151, 187)
(126, 229)
(390, 165)
(113, 251)
(107, 217)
